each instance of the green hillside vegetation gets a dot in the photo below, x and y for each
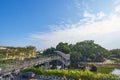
(19, 53)
(85, 51)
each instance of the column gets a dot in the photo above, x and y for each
(47, 65)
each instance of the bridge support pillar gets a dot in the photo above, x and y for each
(1, 77)
(6, 77)
(9, 77)
(63, 66)
(47, 65)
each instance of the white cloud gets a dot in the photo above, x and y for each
(100, 15)
(104, 29)
(93, 17)
(117, 9)
(100, 31)
(89, 15)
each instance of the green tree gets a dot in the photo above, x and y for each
(75, 57)
(91, 51)
(49, 51)
(64, 47)
(81, 51)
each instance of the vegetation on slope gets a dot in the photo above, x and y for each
(19, 53)
(86, 51)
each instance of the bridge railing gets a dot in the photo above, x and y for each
(64, 57)
(29, 63)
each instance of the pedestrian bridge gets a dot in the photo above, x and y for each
(64, 58)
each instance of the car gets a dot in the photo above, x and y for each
(28, 75)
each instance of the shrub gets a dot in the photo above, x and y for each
(74, 74)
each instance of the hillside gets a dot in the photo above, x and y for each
(85, 51)
(19, 53)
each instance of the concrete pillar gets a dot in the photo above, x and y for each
(9, 78)
(63, 66)
(1, 77)
(47, 66)
(6, 77)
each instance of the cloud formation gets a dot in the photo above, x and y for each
(117, 9)
(104, 30)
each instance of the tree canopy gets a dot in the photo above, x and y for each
(85, 51)
(64, 47)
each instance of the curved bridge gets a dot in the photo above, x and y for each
(64, 58)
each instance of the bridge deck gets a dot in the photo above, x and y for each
(43, 59)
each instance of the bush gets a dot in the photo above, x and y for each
(74, 74)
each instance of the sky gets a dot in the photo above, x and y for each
(45, 23)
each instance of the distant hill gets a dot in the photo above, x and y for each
(19, 53)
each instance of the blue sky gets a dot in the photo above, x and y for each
(45, 23)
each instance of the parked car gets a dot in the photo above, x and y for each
(28, 75)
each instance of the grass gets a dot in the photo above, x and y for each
(104, 70)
